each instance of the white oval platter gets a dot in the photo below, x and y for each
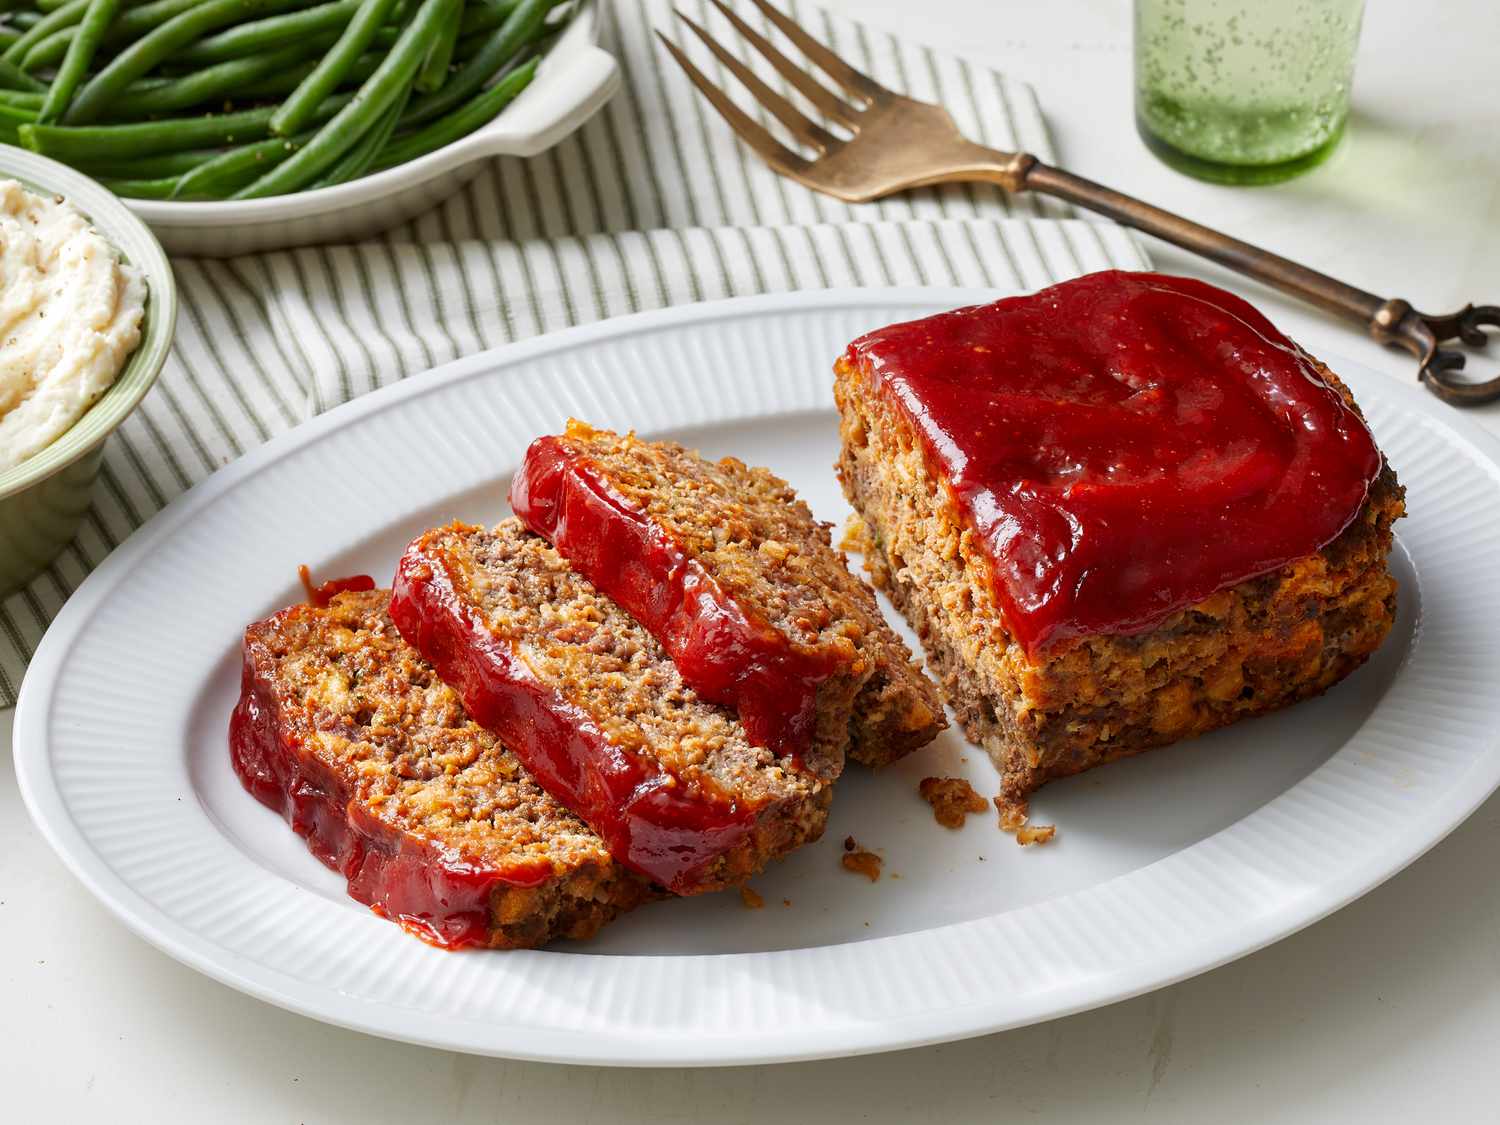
(1165, 865)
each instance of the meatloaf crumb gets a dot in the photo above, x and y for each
(862, 863)
(952, 799)
(1035, 834)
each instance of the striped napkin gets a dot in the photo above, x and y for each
(652, 203)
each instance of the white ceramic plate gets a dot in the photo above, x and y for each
(574, 79)
(1165, 865)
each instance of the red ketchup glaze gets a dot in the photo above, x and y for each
(323, 593)
(727, 655)
(433, 894)
(649, 820)
(1125, 445)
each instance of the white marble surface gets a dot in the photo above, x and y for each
(1385, 1012)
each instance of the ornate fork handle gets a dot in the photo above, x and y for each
(1391, 321)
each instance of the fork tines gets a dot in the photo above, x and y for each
(860, 88)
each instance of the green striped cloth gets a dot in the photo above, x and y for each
(652, 203)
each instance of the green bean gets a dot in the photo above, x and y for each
(224, 79)
(8, 35)
(82, 144)
(264, 34)
(15, 115)
(461, 122)
(130, 25)
(163, 165)
(525, 21)
(434, 70)
(278, 85)
(156, 45)
(69, 14)
(26, 99)
(142, 189)
(357, 161)
(216, 178)
(96, 19)
(49, 49)
(17, 79)
(25, 20)
(136, 21)
(486, 15)
(386, 85)
(309, 94)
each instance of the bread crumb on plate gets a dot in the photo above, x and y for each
(859, 861)
(952, 799)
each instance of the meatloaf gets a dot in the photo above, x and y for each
(1118, 513)
(731, 573)
(347, 732)
(597, 711)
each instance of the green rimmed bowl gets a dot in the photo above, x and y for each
(44, 498)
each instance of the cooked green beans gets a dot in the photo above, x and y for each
(146, 52)
(265, 34)
(162, 165)
(277, 85)
(84, 143)
(524, 22)
(357, 161)
(69, 14)
(300, 105)
(434, 70)
(389, 82)
(222, 80)
(237, 167)
(96, 20)
(17, 79)
(461, 122)
(243, 99)
(142, 189)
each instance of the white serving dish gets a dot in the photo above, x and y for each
(1165, 865)
(574, 80)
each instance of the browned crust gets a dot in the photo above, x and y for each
(386, 738)
(1252, 648)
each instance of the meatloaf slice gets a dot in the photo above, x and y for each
(1088, 698)
(598, 712)
(347, 732)
(731, 573)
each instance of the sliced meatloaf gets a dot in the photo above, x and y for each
(597, 711)
(731, 573)
(347, 732)
(1055, 705)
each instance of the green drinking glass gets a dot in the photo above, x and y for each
(1244, 91)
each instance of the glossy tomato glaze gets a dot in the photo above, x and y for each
(437, 896)
(726, 654)
(651, 822)
(1125, 445)
(324, 592)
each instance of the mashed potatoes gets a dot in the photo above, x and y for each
(70, 315)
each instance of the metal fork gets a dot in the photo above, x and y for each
(899, 143)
